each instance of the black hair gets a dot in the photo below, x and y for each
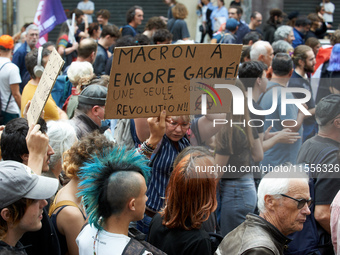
(250, 71)
(141, 39)
(126, 40)
(251, 36)
(162, 35)
(130, 14)
(282, 64)
(302, 21)
(13, 138)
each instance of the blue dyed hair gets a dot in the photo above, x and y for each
(97, 174)
(334, 61)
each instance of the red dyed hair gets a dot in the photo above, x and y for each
(191, 193)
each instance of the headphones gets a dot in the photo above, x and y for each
(39, 69)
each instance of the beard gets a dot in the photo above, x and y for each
(309, 69)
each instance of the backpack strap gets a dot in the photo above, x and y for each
(260, 99)
(9, 98)
(133, 30)
(325, 152)
(10, 95)
(4, 65)
(133, 248)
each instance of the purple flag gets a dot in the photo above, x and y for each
(49, 14)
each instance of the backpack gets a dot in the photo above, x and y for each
(137, 244)
(130, 27)
(312, 239)
(61, 90)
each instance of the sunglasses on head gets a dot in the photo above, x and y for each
(301, 202)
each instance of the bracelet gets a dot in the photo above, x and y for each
(153, 147)
(146, 148)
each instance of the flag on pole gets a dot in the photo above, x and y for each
(49, 14)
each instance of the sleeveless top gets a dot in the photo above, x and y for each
(61, 205)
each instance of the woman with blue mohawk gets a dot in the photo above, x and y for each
(113, 188)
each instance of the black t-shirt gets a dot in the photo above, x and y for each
(239, 153)
(234, 3)
(321, 153)
(257, 123)
(296, 81)
(178, 241)
(329, 82)
(43, 241)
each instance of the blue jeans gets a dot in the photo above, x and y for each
(236, 198)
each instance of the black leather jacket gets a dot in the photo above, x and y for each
(254, 236)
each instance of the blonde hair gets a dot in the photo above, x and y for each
(79, 70)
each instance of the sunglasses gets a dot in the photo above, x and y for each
(301, 202)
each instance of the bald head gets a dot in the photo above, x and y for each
(87, 48)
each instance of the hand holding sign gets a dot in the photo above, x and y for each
(50, 74)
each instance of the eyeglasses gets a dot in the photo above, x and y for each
(174, 124)
(301, 202)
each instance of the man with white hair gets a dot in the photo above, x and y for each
(262, 51)
(283, 202)
(32, 37)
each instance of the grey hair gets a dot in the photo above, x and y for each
(31, 27)
(278, 182)
(62, 136)
(79, 70)
(281, 46)
(282, 32)
(257, 49)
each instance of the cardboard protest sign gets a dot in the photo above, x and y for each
(145, 80)
(50, 74)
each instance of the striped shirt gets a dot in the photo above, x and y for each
(162, 166)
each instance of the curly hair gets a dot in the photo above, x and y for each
(180, 11)
(75, 157)
(155, 23)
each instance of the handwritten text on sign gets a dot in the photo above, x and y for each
(46, 83)
(145, 80)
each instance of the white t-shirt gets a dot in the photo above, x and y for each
(86, 6)
(329, 7)
(106, 244)
(9, 74)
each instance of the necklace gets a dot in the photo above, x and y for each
(94, 243)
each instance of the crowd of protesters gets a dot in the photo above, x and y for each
(76, 183)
